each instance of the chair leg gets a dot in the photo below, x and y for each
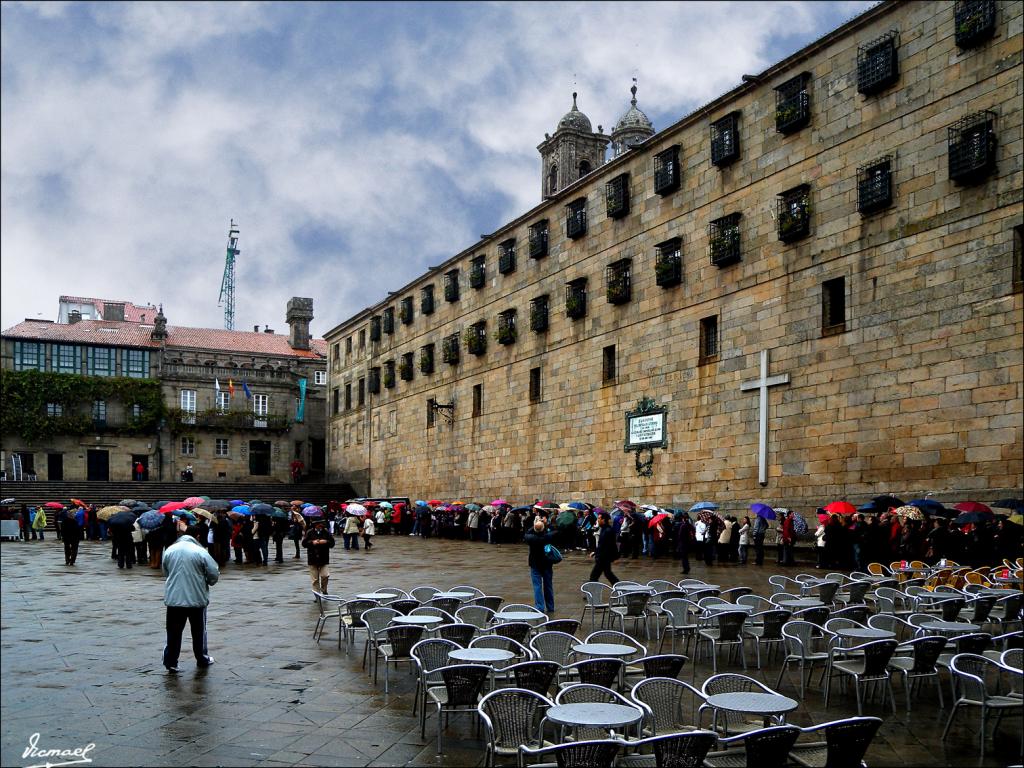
(982, 734)
(828, 688)
(892, 695)
(856, 688)
(938, 687)
(949, 722)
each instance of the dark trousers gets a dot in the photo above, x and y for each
(603, 567)
(759, 551)
(684, 555)
(543, 590)
(70, 551)
(125, 550)
(279, 546)
(176, 618)
(263, 547)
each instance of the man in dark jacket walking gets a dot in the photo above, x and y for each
(190, 573)
(540, 567)
(318, 542)
(72, 537)
(607, 551)
(684, 539)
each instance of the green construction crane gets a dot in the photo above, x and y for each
(227, 283)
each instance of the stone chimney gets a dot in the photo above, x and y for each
(74, 316)
(298, 316)
(159, 332)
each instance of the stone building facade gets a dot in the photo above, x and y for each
(844, 227)
(231, 399)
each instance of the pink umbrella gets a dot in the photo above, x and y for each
(173, 506)
(499, 502)
(194, 501)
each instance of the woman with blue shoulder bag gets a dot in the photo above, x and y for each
(543, 556)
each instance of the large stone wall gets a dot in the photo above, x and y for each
(921, 393)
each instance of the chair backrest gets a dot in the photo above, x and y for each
(699, 593)
(826, 591)
(568, 626)
(971, 671)
(840, 577)
(429, 610)
(981, 607)
(663, 665)
(799, 637)
(432, 653)
(926, 653)
(817, 615)
(876, 657)
(877, 569)
(517, 630)
(493, 602)
(919, 619)
(404, 604)
(446, 604)
(463, 683)
(600, 671)
(423, 594)
(595, 593)
(804, 578)
(591, 753)
(662, 700)
(553, 646)
(778, 598)
(711, 600)
(783, 584)
(355, 609)
(1008, 640)
(889, 600)
(768, 747)
(951, 608)
(730, 625)
(588, 693)
(511, 714)
(756, 602)
(401, 638)
(858, 613)
(1011, 606)
(477, 615)
(680, 612)
(895, 624)
(661, 585)
(732, 682)
(634, 602)
(467, 588)
(519, 607)
(733, 593)
(400, 594)
(669, 594)
(771, 622)
(847, 740)
(325, 602)
(501, 643)
(836, 623)
(679, 750)
(378, 618)
(459, 633)
(1012, 658)
(534, 675)
(857, 591)
(973, 642)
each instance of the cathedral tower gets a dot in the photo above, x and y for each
(573, 152)
(633, 128)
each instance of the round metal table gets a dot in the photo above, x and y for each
(604, 649)
(454, 595)
(519, 616)
(767, 705)
(865, 633)
(801, 602)
(594, 715)
(722, 607)
(699, 587)
(955, 627)
(377, 595)
(631, 588)
(424, 621)
(480, 655)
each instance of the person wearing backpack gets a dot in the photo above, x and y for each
(539, 538)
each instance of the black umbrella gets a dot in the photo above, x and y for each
(887, 501)
(260, 508)
(122, 520)
(275, 512)
(974, 517)
(929, 506)
(217, 505)
(164, 503)
(1015, 504)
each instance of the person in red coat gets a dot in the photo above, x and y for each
(788, 535)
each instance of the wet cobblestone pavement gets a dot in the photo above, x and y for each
(81, 664)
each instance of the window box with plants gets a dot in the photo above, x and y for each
(972, 148)
(427, 301)
(539, 314)
(975, 22)
(388, 321)
(576, 299)
(668, 266)
(616, 194)
(375, 324)
(724, 240)
(878, 65)
(539, 239)
(666, 171)
(478, 273)
(506, 333)
(792, 104)
(507, 257)
(451, 286)
(405, 311)
(619, 286)
(725, 140)
(476, 339)
(450, 349)
(576, 219)
(427, 360)
(405, 371)
(874, 186)
(794, 209)
(389, 375)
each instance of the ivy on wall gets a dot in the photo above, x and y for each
(24, 396)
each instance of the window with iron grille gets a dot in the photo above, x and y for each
(833, 306)
(388, 321)
(54, 410)
(373, 385)
(576, 298)
(405, 371)
(793, 104)
(724, 240)
(874, 185)
(666, 171)
(476, 338)
(427, 359)
(708, 340)
(616, 195)
(975, 22)
(427, 300)
(576, 218)
(878, 65)
(507, 331)
(794, 209)
(348, 397)
(478, 400)
(375, 328)
(405, 311)
(725, 140)
(361, 392)
(431, 403)
(608, 364)
(539, 239)
(450, 349)
(389, 374)
(478, 271)
(539, 314)
(451, 285)
(668, 264)
(534, 385)
(507, 256)
(618, 281)
(972, 148)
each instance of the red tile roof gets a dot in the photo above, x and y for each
(98, 332)
(133, 313)
(241, 341)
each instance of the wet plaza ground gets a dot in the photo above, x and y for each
(81, 664)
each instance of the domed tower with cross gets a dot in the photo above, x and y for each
(633, 128)
(572, 152)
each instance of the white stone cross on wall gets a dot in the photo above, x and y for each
(761, 384)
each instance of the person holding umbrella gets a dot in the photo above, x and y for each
(318, 542)
(297, 530)
(787, 536)
(607, 550)
(190, 573)
(72, 536)
(684, 538)
(120, 526)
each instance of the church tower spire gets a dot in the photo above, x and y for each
(573, 152)
(633, 128)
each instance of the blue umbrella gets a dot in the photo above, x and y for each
(928, 506)
(578, 505)
(701, 505)
(312, 510)
(763, 510)
(236, 502)
(261, 509)
(241, 509)
(151, 520)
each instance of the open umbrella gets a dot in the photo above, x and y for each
(261, 509)
(108, 512)
(658, 518)
(122, 520)
(172, 506)
(205, 513)
(578, 505)
(1016, 518)
(297, 502)
(312, 511)
(123, 502)
(53, 505)
(80, 503)
(355, 509)
(1015, 504)
(763, 510)
(389, 505)
(625, 504)
(928, 506)
(235, 502)
(184, 514)
(435, 502)
(702, 505)
(217, 505)
(974, 517)
(277, 512)
(908, 511)
(705, 515)
(194, 501)
(971, 506)
(11, 500)
(840, 508)
(282, 504)
(496, 503)
(241, 509)
(887, 501)
(151, 520)
(824, 517)
(800, 524)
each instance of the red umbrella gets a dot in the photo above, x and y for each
(194, 501)
(79, 503)
(823, 518)
(657, 519)
(435, 502)
(971, 506)
(173, 506)
(53, 505)
(840, 508)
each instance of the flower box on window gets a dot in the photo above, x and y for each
(388, 321)
(576, 298)
(725, 140)
(539, 314)
(668, 266)
(793, 104)
(405, 370)
(878, 65)
(616, 193)
(389, 374)
(506, 333)
(576, 218)
(478, 272)
(427, 300)
(539, 239)
(507, 256)
(972, 148)
(724, 240)
(373, 382)
(427, 359)
(975, 22)
(619, 283)
(666, 171)
(375, 324)
(451, 285)
(476, 338)
(794, 209)
(450, 349)
(405, 310)
(874, 186)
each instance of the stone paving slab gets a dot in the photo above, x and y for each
(80, 663)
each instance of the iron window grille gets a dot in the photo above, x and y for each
(878, 65)
(506, 333)
(534, 385)
(427, 300)
(373, 384)
(451, 285)
(794, 209)
(389, 374)
(405, 371)
(576, 298)
(616, 193)
(476, 338)
(427, 359)
(668, 265)
(708, 340)
(666, 171)
(405, 310)
(618, 281)
(724, 240)
(450, 349)
(833, 306)
(725, 140)
(975, 22)
(507, 256)
(388, 321)
(576, 218)
(539, 314)
(375, 328)
(539, 239)
(478, 272)
(793, 104)
(874, 186)
(972, 148)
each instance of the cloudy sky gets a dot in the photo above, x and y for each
(354, 144)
